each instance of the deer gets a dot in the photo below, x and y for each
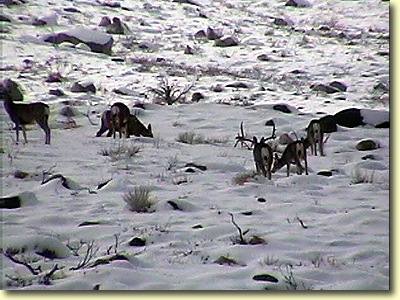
(26, 113)
(315, 136)
(263, 157)
(135, 126)
(293, 154)
(119, 119)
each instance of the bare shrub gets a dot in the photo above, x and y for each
(189, 137)
(170, 92)
(120, 151)
(139, 200)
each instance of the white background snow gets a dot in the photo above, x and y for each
(346, 243)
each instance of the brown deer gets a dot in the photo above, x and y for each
(119, 119)
(263, 157)
(293, 154)
(135, 127)
(315, 136)
(26, 113)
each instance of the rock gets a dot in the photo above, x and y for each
(350, 117)
(201, 34)
(190, 170)
(261, 200)
(325, 173)
(197, 96)
(264, 57)
(78, 87)
(10, 202)
(191, 2)
(10, 88)
(137, 242)
(338, 85)
(328, 124)
(174, 205)
(367, 144)
(57, 92)
(89, 223)
(385, 124)
(117, 27)
(228, 41)
(298, 3)
(54, 77)
(200, 167)
(188, 50)
(320, 87)
(238, 85)
(72, 9)
(4, 18)
(282, 22)
(282, 107)
(213, 34)
(369, 157)
(105, 21)
(217, 88)
(265, 277)
(97, 41)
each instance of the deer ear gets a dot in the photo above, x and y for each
(254, 140)
(149, 127)
(262, 140)
(276, 156)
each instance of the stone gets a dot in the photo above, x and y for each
(282, 108)
(321, 87)
(338, 85)
(57, 92)
(137, 242)
(350, 117)
(197, 96)
(265, 277)
(213, 34)
(78, 87)
(325, 173)
(228, 41)
(367, 144)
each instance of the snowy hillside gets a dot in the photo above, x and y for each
(211, 223)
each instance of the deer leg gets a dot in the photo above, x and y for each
(287, 169)
(17, 131)
(46, 130)
(24, 133)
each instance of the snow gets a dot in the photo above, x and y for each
(326, 233)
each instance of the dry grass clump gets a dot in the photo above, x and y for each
(244, 177)
(139, 199)
(190, 137)
(120, 151)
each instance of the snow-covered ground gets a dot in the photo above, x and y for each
(307, 232)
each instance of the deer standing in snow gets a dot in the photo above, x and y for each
(315, 136)
(26, 113)
(263, 157)
(293, 154)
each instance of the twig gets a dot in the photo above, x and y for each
(301, 223)
(90, 253)
(242, 240)
(46, 278)
(34, 271)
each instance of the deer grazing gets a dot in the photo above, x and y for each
(135, 126)
(293, 154)
(25, 113)
(119, 119)
(263, 157)
(315, 136)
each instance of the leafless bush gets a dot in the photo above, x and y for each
(120, 151)
(139, 200)
(170, 92)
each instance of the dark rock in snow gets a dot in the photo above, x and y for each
(188, 50)
(105, 21)
(385, 124)
(238, 85)
(97, 41)
(78, 87)
(137, 242)
(367, 144)
(261, 200)
(263, 57)
(325, 173)
(57, 92)
(350, 117)
(213, 34)
(10, 202)
(4, 18)
(338, 85)
(191, 2)
(265, 277)
(282, 107)
(54, 77)
(228, 41)
(200, 167)
(72, 9)
(282, 22)
(321, 87)
(201, 34)
(197, 96)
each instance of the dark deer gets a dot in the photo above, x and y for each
(26, 113)
(119, 119)
(135, 127)
(293, 154)
(263, 157)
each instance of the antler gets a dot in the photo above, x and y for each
(242, 139)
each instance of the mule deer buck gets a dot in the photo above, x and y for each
(293, 154)
(26, 113)
(315, 136)
(263, 157)
(135, 127)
